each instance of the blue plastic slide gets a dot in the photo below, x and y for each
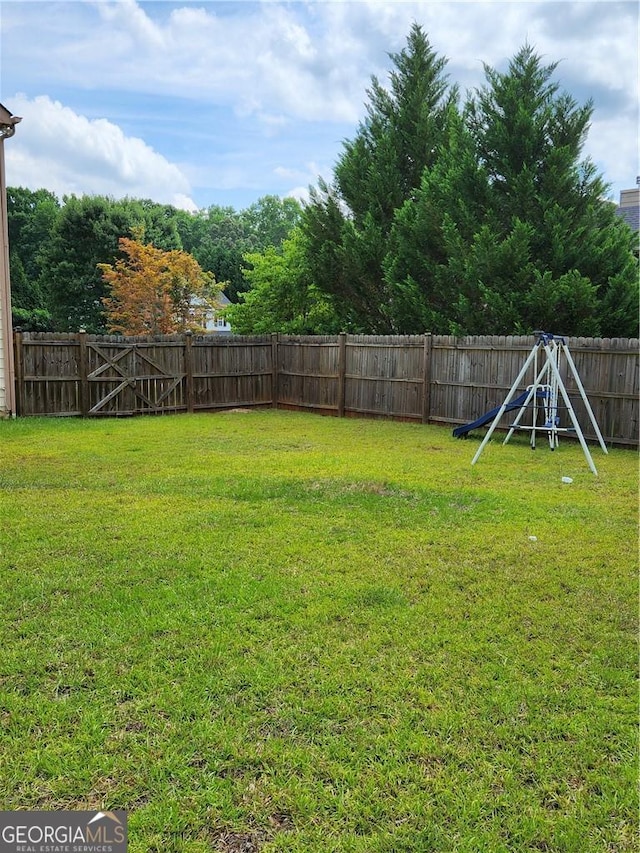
(516, 403)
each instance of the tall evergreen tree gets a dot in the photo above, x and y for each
(431, 235)
(347, 224)
(510, 230)
(530, 138)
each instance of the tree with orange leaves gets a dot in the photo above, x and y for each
(154, 292)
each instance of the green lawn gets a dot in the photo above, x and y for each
(273, 631)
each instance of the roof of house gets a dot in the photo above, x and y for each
(631, 215)
(629, 207)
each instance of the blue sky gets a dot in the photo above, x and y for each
(201, 103)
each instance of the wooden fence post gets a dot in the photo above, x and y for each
(19, 372)
(342, 372)
(274, 370)
(83, 366)
(426, 377)
(188, 371)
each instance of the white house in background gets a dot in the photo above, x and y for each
(215, 322)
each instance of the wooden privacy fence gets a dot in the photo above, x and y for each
(428, 378)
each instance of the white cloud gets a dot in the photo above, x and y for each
(302, 178)
(143, 31)
(225, 83)
(184, 202)
(299, 193)
(309, 61)
(615, 156)
(264, 59)
(67, 153)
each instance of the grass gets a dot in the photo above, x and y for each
(273, 631)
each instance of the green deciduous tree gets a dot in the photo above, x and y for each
(31, 215)
(282, 295)
(270, 221)
(217, 240)
(85, 234)
(219, 237)
(55, 248)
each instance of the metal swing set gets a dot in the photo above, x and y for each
(545, 392)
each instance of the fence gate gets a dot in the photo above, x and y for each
(132, 378)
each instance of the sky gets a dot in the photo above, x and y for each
(197, 103)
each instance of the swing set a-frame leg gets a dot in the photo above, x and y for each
(532, 394)
(503, 407)
(572, 414)
(585, 400)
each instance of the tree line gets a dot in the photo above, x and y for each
(61, 252)
(458, 216)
